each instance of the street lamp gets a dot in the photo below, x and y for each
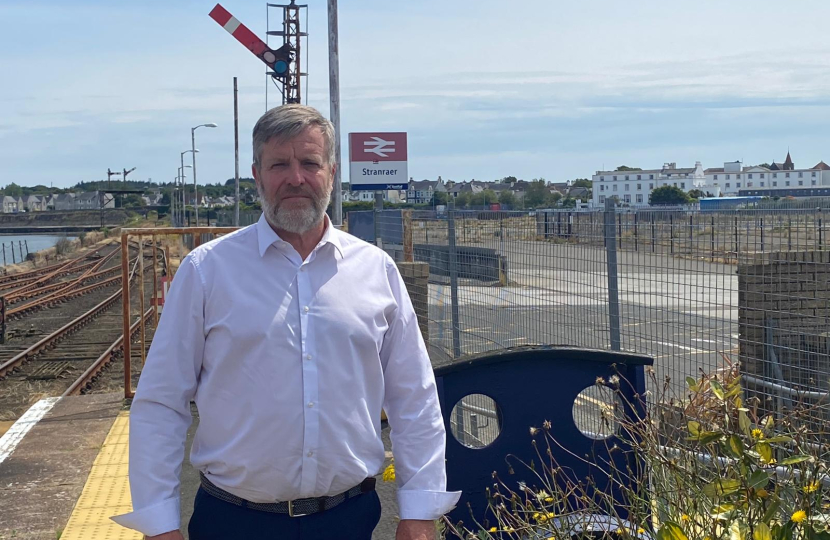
(193, 151)
(184, 191)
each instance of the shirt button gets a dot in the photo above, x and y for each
(310, 404)
(308, 357)
(305, 308)
(310, 453)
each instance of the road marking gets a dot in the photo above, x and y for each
(15, 434)
(685, 348)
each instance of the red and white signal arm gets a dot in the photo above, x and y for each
(378, 161)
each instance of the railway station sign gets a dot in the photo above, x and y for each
(377, 161)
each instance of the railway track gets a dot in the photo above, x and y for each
(69, 360)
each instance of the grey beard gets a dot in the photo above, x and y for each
(295, 220)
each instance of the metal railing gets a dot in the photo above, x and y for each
(698, 291)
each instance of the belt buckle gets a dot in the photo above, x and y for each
(291, 510)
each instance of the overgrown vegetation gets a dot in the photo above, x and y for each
(63, 246)
(710, 466)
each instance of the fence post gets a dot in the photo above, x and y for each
(4, 254)
(26, 243)
(613, 287)
(789, 233)
(671, 234)
(619, 230)
(2, 320)
(408, 254)
(378, 208)
(691, 234)
(762, 235)
(653, 233)
(636, 240)
(713, 237)
(11, 245)
(737, 245)
(453, 264)
(820, 240)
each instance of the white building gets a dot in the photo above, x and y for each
(733, 177)
(634, 187)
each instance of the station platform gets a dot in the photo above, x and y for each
(64, 472)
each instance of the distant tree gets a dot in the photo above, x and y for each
(463, 199)
(507, 197)
(583, 182)
(668, 195)
(439, 197)
(553, 198)
(697, 194)
(509, 180)
(132, 200)
(537, 193)
(568, 202)
(13, 190)
(765, 165)
(625, 168)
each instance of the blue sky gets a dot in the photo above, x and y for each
(547, 88)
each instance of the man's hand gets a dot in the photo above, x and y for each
(172, 535)
(414, 529)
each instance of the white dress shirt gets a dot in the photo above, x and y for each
(289, 363)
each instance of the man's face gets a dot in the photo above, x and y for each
(294, 181)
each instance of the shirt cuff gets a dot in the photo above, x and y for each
(426, 505)
(157, 519)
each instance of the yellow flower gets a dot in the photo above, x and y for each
(812, 487)
(548, 499)
(641, 531)
(493, 529)
(389, 473)
(799, 516)
(685, 518)
(762, 493)
(757, 434)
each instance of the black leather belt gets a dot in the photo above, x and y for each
(295, 508)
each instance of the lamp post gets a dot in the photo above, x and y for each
(193, 152)
(184, 197)
(173, 189)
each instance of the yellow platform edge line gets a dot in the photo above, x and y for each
(106, 492)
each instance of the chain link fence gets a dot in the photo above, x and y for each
(698, 291)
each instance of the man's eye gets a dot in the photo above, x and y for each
(276, 165)
(311, 164)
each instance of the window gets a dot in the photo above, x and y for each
(716, 177)
(682, 185)
(639, 177)
(615, 178)
(727, 177)
(601, 178)
(651, 186)
(615, 187)
(651, 177)
(675, 184)
(801, 182)
(774, 183)
(749, 176)
(668, 175)
(787, 183)
(626, 187)
(728, 184)
(737, 177)
(786, 175)
(814, 174)
(639, 187)
(601, 187)
(626, 177)
(775, 175)
(762, 175)
(738, 185)
(627, 198)
(801, 175)
(814, 182)
(602, 199)
(639, 197)
(762, 184)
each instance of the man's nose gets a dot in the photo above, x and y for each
(295, 174)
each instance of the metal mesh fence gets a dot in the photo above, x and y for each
(698, 291)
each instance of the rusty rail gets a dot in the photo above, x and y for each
(88, 377)
(61, 332)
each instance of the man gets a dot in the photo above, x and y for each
(290, 336)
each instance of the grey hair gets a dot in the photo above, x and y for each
(288, 121)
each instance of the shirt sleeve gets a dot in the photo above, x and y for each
(160, 412)
(414, 413)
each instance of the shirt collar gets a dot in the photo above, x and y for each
(266, 236)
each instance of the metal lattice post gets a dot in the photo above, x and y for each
(613, 285)
(453, 264)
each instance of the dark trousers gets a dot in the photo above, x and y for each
(214, 519)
